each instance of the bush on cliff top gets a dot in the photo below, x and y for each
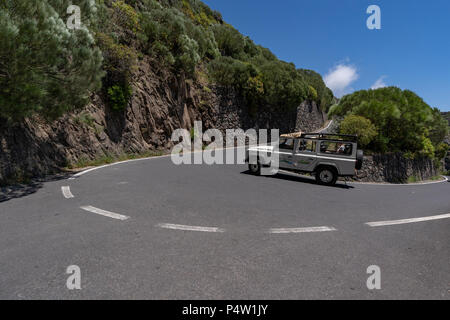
(47, 69)
(362, 127)
(405, 123)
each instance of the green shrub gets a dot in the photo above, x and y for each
(229, 41)
(312, 93)
(284, 87)
(44, 67)
(404, 121)
(169, 35)
(120, 59)
(125, 16)
(189, 57)
(427, 148)
(119, 96)
(201, 14)
(323, 95)
(413, 179)
(360, 126)
(438, 127)
(230, 72)
(441, 150)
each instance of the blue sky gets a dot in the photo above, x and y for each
(411, 51)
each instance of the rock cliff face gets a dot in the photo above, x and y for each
(395, 168)
(309, 117)
(160, 104)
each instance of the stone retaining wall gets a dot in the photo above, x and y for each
(395, 168)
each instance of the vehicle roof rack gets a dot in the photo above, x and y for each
(331, 136)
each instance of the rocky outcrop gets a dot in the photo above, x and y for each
(160, 104)
(309, 117)
(395, 168)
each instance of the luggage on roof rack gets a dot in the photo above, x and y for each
(322, 136)
(331, 136)
(292, 135)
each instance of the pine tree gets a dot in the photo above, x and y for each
(45, 68)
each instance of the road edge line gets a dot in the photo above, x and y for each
(406, 221)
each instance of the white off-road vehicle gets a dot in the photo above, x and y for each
(327, 156)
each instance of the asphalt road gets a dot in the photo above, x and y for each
(239, 255)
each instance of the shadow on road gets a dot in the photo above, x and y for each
(23, 190)
(288, 177)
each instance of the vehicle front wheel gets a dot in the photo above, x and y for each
(255, 168)
(326, 176)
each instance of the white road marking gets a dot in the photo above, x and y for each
(404, 221)
(301, 230)
(79, 174)
(105, 213)
(116, 163)
(189, 228)
(445, 179)
(66, 192)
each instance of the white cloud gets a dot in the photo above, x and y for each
(339, 79)
(379, 83)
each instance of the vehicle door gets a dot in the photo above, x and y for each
(285, 153)
(341, 154)
(305, 155)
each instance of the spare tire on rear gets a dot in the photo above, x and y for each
(359, 159)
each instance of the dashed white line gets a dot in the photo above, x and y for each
(301, 230)
(105, 213)
(405, 221)
(66, 192)
(189, 228)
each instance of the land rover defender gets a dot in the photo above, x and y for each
(327, 156)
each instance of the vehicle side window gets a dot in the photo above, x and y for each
(333, 147)
(307, 146)
(287, 144)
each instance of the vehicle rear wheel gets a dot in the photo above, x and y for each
(255, 168)
(326, 176)
(359, 159)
